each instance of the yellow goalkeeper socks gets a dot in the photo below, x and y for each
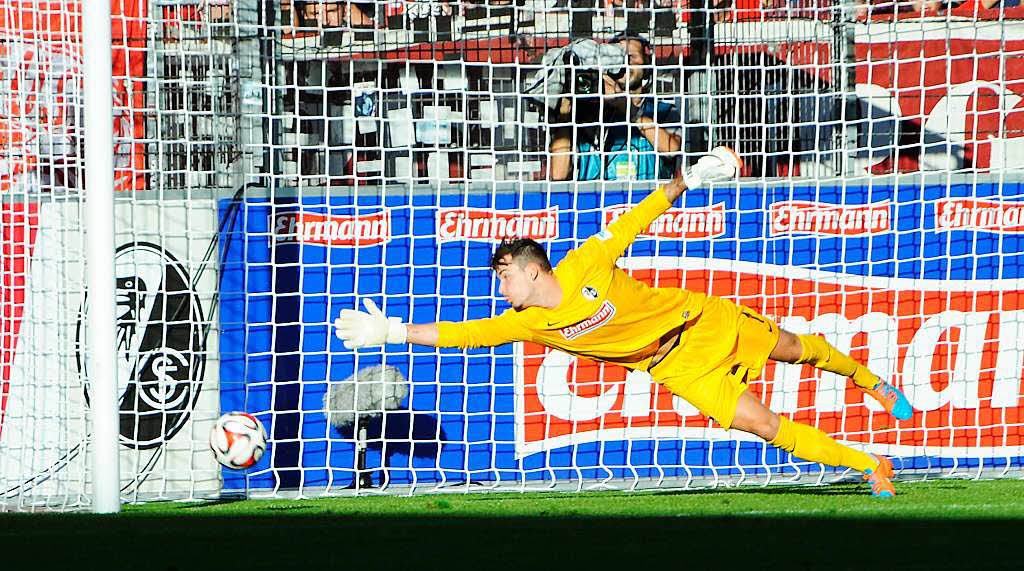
(812, 444)
(820, 354)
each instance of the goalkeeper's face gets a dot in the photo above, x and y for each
(516, 281)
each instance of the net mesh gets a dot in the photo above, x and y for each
(278, 161)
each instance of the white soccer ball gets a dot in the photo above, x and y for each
(238, 440)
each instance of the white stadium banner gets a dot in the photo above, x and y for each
(167, 356)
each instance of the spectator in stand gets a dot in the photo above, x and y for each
(333, 14)
(628, 135)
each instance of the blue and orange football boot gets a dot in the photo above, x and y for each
(893, 399)
(881, 478)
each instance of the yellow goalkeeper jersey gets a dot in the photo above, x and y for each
(604, 315)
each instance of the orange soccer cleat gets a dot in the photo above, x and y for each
(881, 478)
(892, 399)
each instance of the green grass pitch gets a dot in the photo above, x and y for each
(944, 524)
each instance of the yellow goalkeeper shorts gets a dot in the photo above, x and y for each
(717, 355)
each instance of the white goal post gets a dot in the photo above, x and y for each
(101, 372)
(275, 161)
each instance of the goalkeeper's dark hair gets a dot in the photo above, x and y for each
(523, 250)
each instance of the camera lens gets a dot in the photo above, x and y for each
(586, 82)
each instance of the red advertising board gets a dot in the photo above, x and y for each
(331, 230)
(952, 346)
(955, 94)
(495, 225)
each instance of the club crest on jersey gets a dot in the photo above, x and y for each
(603, 315)
(589, 292)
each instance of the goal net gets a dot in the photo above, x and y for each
(277, 161)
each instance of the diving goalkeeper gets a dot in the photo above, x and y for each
(701, 347)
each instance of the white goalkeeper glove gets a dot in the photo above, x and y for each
(358, 329)
(722, 163)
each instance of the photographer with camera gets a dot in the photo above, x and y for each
(606, 122)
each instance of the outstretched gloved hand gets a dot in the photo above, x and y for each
(722, 163)
(358, 329)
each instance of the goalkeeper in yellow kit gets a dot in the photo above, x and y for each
(701, 347)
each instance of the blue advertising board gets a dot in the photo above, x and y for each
(291, 263)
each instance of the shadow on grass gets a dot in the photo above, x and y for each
(753, 531)
(429, 541)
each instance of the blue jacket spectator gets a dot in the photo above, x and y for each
(626, 152)
(627, 136)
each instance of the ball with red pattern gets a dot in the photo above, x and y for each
(238, 440)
